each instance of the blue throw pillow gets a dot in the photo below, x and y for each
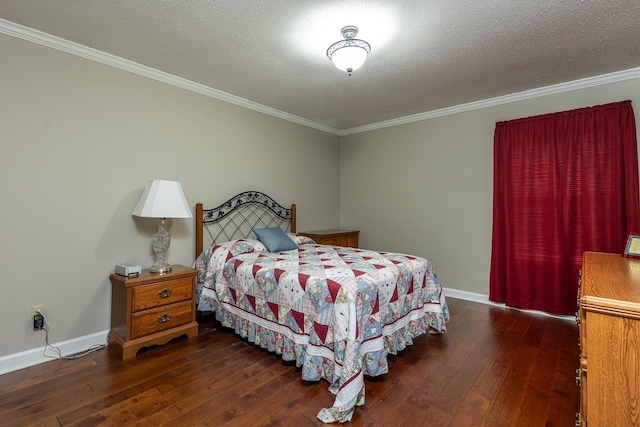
(275, 239)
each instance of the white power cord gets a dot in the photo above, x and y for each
(45, 327)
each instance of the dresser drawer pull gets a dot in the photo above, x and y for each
(165, 293)
(578, 375)
(164, 318)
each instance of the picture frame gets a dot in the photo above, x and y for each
(632, 247)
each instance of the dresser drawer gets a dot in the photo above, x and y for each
(161, 318)
(163, 293)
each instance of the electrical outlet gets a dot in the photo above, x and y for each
(38, 322)
(36, 308)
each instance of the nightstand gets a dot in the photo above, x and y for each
(152, 309)
(347, 238)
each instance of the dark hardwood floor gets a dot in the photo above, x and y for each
(493, 367)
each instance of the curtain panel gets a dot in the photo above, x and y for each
(564, 183)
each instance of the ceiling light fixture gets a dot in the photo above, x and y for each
(349, 54)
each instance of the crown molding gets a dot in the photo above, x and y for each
(63, 45)
(618, 76)
(39, 37)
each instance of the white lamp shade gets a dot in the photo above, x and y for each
(163, 199)
(349, 57)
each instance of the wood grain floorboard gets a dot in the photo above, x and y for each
(494, 367)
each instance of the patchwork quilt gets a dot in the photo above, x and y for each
(336, 311)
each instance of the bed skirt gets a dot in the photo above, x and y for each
(318, 362)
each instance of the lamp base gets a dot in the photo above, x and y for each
(160, 243)
(160, 268)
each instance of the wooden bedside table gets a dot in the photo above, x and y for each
(152, 309)
(347, 238)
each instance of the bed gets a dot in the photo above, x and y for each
(337, 312)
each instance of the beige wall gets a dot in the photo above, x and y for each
(79, 142)
(426, 187)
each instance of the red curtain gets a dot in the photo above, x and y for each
(564, 183)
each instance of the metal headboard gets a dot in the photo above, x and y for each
(235, 218)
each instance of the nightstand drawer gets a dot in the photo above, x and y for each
(163, 293)
(161, 318)
(349, 241)
(348, 238)
(152, 309)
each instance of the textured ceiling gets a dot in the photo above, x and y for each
(426, 54)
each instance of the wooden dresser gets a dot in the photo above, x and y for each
(335, 237)
(152, 309)
(609, 324)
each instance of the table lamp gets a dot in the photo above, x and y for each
(162, 199)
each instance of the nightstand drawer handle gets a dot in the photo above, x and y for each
(165, 293)
(164, 318)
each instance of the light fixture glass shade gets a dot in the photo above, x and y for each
(162, 199)
(349, 58)
(349, 54)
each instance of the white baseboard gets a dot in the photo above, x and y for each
(484, 299)
(469, 296)
(25, 359)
